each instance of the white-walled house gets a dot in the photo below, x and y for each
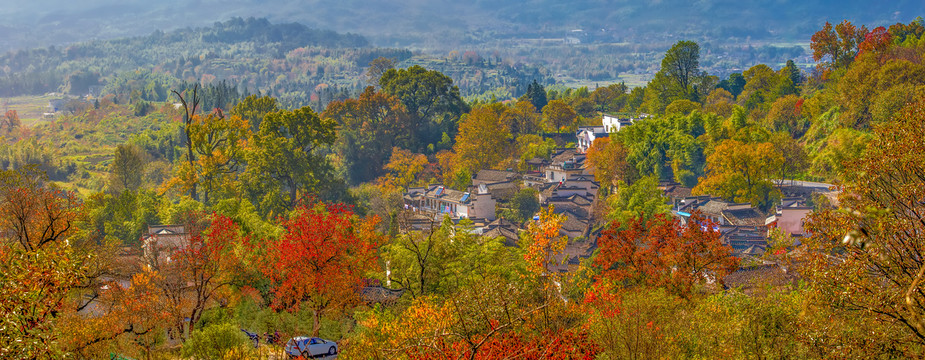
(586, 136)
(476, 202)
(613, 123)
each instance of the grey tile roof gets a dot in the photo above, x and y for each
(744, 217)
(495, 175)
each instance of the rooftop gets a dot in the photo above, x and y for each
(495, 175)
(744, 217)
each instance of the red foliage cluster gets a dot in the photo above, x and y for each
(322, 259)
(662, 252)
(549, 345)
(877, 41)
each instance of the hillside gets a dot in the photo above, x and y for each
(442, 23)
(438, 215)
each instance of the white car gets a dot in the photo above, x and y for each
(309, 347)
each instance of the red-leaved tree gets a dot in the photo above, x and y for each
(663, 253)
(877, 41)
(321, 260)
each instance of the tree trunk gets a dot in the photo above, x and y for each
(292, 193)
(316, 324)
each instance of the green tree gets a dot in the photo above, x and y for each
(219, 143)
(642, 199)
(422, 262)
(284, 162)
(838, 149)
(734, 84)
(664, 147)
(128, 168)
(190, 107)
(795, 74)
(430, 97)
(217, 341)
(369, 127)
(122, 217)
(533, 146)
(80, 81)
(252, 109)
(679, 78)
(536, 95)
(682, 107)
(525, 203)
(682, 64)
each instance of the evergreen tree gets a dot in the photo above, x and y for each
(536, 94)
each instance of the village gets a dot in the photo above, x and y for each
(253, 189)
(566, 183)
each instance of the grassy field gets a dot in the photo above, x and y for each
(631, 80)
(29, 108)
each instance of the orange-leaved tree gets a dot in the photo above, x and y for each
(522, 118)
(492, 319)
(543, 244)
(662, 252)
(483, 141)
(839, 45)
(866, 259)
(741, 172)
(405, 170)
(322, 259)
(637, 324)
(608, 160)
(489, 314)
(140, 312)
(40, 262)
(205, 263)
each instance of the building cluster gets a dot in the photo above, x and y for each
(565, 182)
(743, 227)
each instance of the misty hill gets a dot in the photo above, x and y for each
(442, 23)
(294, 63)
(229, 49)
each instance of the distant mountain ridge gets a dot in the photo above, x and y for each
(430, 23)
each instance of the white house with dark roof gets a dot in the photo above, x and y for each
(615, 122)
(586, 136)
(475, 202)
(565, 163)
(162, 241)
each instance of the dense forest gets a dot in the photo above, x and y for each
(289, 157)
(297, 65)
